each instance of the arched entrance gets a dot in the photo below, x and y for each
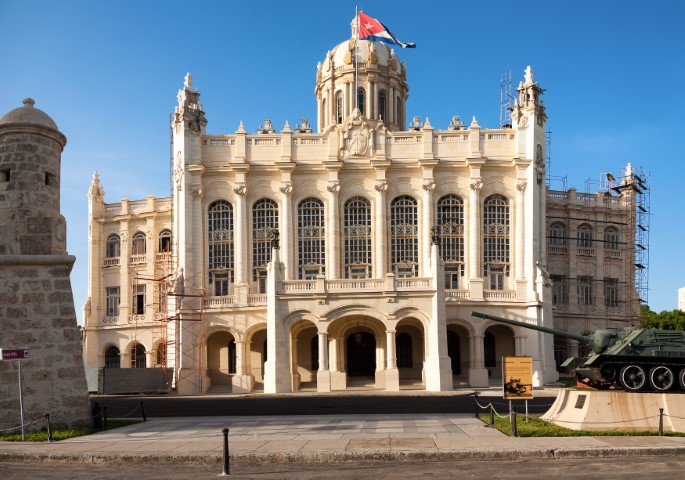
(361, 354)
(221, 358)
(498, 342)
(304, 355)
(454, 352)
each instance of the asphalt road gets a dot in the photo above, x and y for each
(302, 404)
(644, 468)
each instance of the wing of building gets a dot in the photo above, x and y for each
(352, 256)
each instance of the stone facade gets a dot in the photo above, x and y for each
(36, 302)
(346, 258)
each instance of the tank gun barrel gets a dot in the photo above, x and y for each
(553, 331)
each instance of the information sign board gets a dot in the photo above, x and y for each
(517, 378)
(14, 353)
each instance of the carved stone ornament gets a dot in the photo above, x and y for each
(521, 186)
(476, 184)
(356, 137)
(197, 193)
(240, 190)
(429, 186)
(286, 189)
(333, 188)
(381, 187)
(523, 121)
(178, 172)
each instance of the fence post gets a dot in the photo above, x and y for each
(227, 465)
(143, 411)
(492, 415)
(475, 398)
(47, 419)
(661, 422)
(514, 433)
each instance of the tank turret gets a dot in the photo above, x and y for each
(632, 358)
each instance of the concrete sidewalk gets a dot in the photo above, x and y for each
(324, 439)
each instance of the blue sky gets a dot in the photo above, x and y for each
(108, 74)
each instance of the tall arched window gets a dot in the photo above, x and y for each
(113, 248)
(404, 236)
(361, 100)
(220, 247)
(339, 107)
(311, 235)
(496, 241)
(382, 106)
(404, 351)
(161, 354)
(450, 223)
(557, 234)
(585, 236)
(138, 359)
(138, 244)
(112, 358)
(357, 231)
(164, 241)
(264, 224)
(611, 238)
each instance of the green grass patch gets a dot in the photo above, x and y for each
(62, 434)
(535, 427)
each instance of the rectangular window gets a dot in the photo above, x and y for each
(611, 292)
(452, 274)
(261, 280)
(496, 276)
(559, 290)
(138, 304)
(112, 296)
(221, 281)
(585, 291)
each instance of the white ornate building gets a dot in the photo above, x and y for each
(352, 256)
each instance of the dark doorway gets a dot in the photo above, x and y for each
(361, 355)
(454, 351)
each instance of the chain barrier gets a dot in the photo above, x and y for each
(605, 423)
(12, 429)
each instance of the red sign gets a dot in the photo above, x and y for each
(14, 353)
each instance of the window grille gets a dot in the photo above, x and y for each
(611, 293)
(450, 223)
(264, 223)
(357, 233)
(112, 300)
(559, 290)
(339, 107)
(404, 239)
(361, 100)
(381, 105)
(496, 241)
(220, 246)
(585, 291)
(311, 238)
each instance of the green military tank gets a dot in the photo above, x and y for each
(634, 358)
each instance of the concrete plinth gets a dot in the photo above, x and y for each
(617, 410)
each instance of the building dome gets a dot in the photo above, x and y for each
(28, 114)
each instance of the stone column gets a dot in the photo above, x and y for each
(474, 262)
(323, 375)
(381, 224)
(286, 233)
(333, 243)
(426, 224)
(519, 268)
(391, 107)
(478, 374)
(392, 374)
(369, 100)
(241, 381)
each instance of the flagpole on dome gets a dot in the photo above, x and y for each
(356, 57)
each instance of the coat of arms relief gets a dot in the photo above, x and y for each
(356, 138)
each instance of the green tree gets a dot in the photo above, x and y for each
(673, 320)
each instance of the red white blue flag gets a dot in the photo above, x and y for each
(372, 29)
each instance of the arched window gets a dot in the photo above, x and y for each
(138, 356)
(496, 241)
(382, 106)
(357, 231)
(585, 236)
(264, 226)
(361, 100)
(404, 236)
(138, 244)
(404, 351)
(220, 247)
(164, 241)
(450, 223)
(112, 358)
(611, 238)
(311, 238)
(339, 107)
(557, 234)
(113, 246)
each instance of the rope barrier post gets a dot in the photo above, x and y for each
(143, 411)
(227, 465)
(492, 415)
(104, 418)
(475, 397)
(661, 422)
(514, 433)
(47, 419)
(21, 403)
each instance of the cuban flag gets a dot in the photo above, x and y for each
(372, 29)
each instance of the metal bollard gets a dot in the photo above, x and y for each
(475, 398)
(227, 465)
(661, 422)
(514, 433)
(492, 415)
(143, 411)
(47, 419)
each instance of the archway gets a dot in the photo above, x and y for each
(304, 355)
(361, 354)
(454, 352)
(498, 342)
(221, 358)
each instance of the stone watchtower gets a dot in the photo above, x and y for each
(36, 301)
